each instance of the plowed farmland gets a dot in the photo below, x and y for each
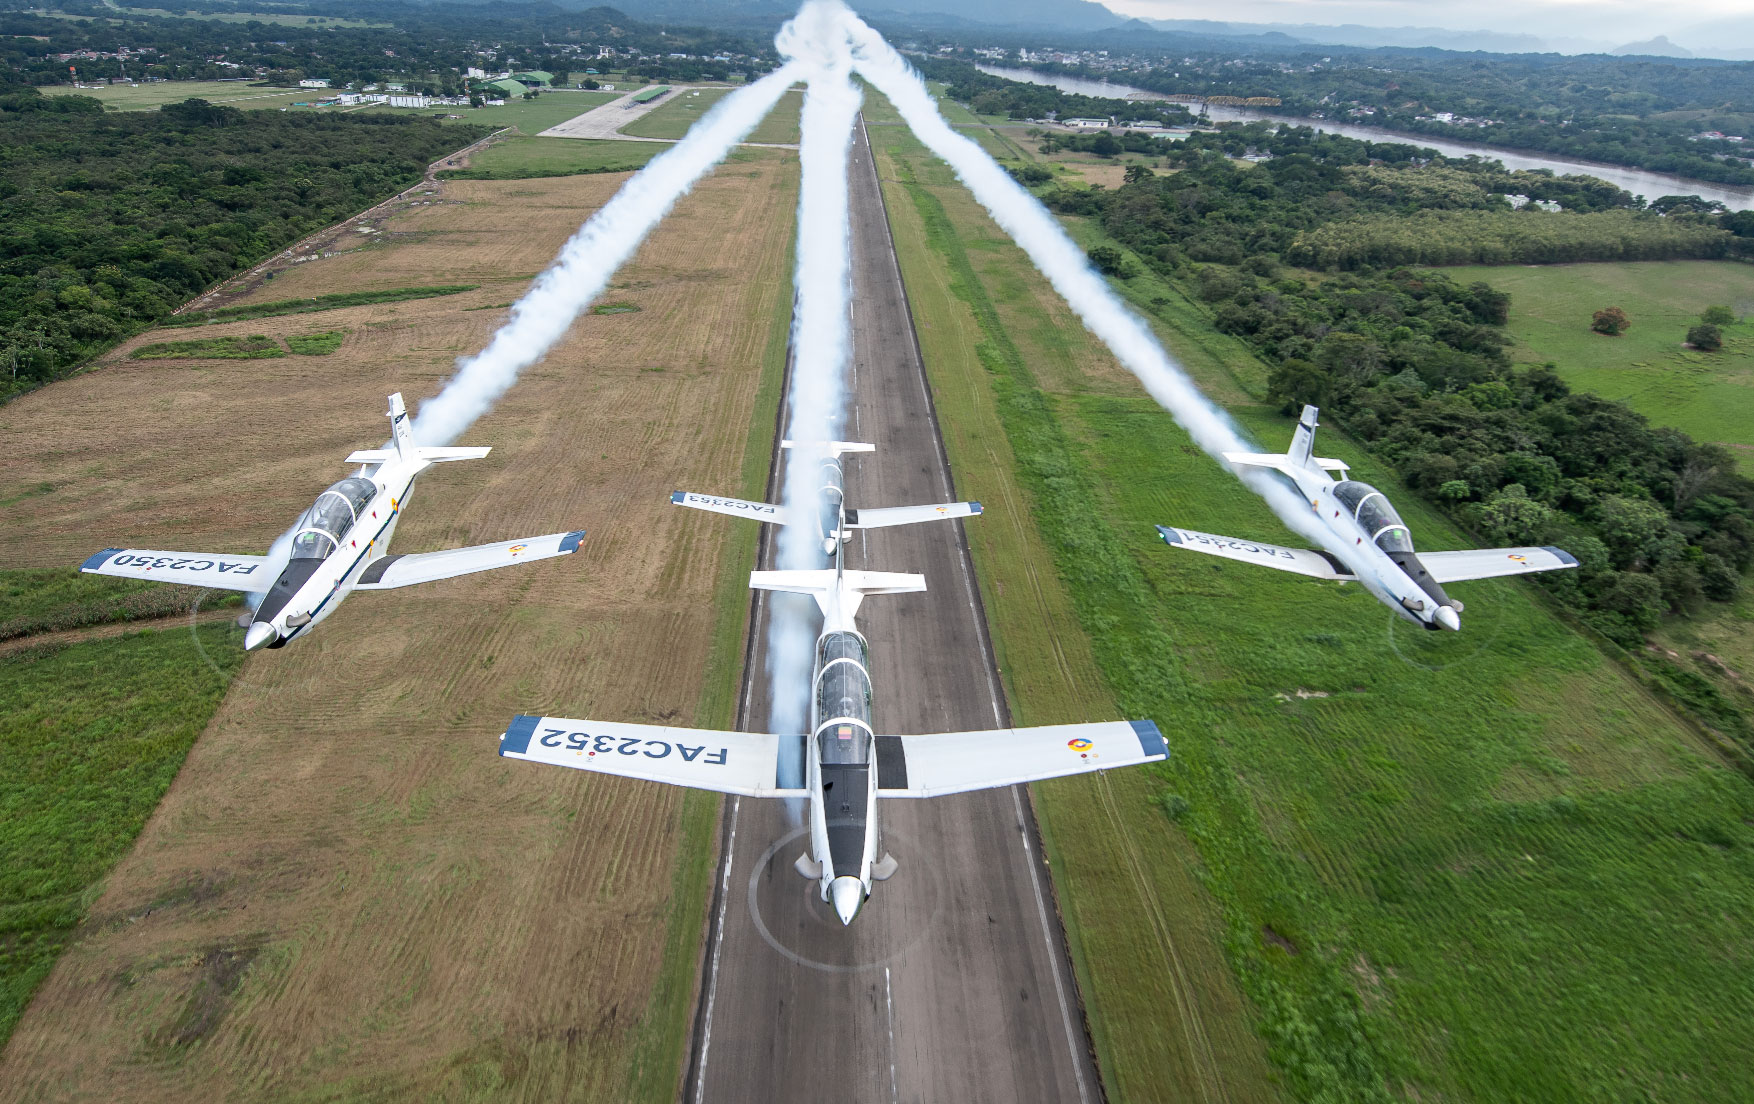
(346, 893)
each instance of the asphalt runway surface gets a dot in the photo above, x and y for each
(952, 983)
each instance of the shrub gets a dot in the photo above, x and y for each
(1110, 261)
(1612, 321)
(1718, 316)
(1706, 338)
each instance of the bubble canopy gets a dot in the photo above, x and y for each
(319, 531)
(1375, 515)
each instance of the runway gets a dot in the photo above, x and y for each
(952, 983)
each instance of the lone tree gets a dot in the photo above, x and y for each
(1718, 316)
(1706, 338)
(1612, 322)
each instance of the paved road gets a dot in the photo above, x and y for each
(606, 120)
(952, 983)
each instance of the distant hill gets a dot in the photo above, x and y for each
(1659, 46)
(1353, 34)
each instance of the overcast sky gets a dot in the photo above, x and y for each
(1611, 20)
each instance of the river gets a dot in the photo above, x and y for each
(1650, 185)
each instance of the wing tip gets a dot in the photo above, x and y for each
(570, 542)
(1170, 536)
(1150, 739)
(677, 498)
(1562, 555)
(516, 738)
(95, 561)
(975, 508)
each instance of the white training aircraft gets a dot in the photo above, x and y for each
(848, 767)
(339, 545)
(1378, 548)
(834, 522)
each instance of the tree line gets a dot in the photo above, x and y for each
(1415, 364)
(110, 221)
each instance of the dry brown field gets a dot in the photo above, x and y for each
(345, 893)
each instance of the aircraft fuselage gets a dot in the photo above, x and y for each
(1375, 546)
(333, 543)
(841, 771)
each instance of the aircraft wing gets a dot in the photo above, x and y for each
(736, 507)
(1489, 563)
(908, 515)
(745, 763)
(203, 569)
(389, 572)
(1303, 561)
(954, 762)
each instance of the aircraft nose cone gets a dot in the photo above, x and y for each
(260, 633)
(847, 894)
(1448, 619)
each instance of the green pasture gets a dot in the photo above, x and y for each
(529, 116)
(681, 109)
(518, 157)
(150, 97)
(277, 307)
(91, 735)
(254, 347)
(282, 19)
(1477, 866)
(1707, 395)
(41, 600)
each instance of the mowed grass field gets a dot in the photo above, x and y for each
(1480, 866)
(683, 108)
(345, 893)
(518, 156)
(529, 116)
(151, 97)
(1708, 395)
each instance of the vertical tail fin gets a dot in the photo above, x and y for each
(1303, 442)
(404, 435)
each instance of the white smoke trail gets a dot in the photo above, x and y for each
(1035, 230)
(582, 270)
(588, 260)
(821, 338)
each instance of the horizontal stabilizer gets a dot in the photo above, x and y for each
(736, 507)
(390, 572)
(1279, 461)
(434, 455)
(847, 588)
(1491, 563)
(955, 762)
(1303, 561)
(745, 763)
(252, 574)
(829, 448)
(908, 515)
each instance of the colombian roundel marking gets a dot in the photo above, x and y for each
(516, 548)
(1078, 743)
(1520, 559)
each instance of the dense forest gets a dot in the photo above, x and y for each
(1636, 111)
(1415, 364)
(110, 221)
(429, 44)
